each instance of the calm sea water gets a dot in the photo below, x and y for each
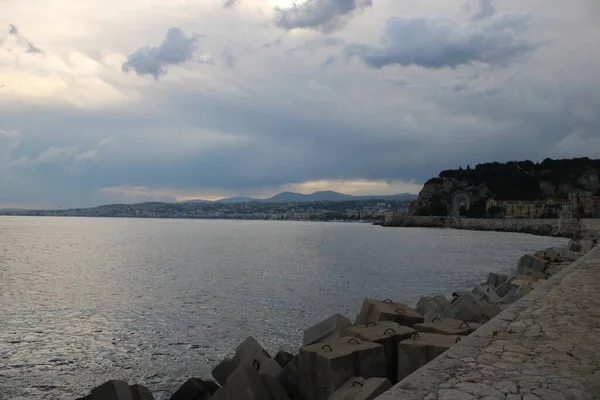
(157, 301)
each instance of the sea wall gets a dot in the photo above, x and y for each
(442, 348)
(543, 227)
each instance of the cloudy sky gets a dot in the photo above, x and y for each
(122, 101)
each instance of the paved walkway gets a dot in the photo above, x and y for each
(545, 346)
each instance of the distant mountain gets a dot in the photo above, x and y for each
(328, 195)
(237, 199)
(196, 201)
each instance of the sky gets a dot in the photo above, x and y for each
(164, 100)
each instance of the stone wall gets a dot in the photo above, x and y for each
(545, 227)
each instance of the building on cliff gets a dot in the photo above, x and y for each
(527, 209)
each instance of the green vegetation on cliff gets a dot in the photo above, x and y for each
(520, 180)
(515, 180)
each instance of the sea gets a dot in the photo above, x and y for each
(156, 301)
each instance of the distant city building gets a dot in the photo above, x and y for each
(585, 203)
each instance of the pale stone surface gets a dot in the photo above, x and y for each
(544, 346)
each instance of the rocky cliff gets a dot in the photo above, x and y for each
(524, 180)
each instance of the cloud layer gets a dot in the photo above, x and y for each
(331, 102)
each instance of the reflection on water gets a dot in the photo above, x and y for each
(157, 301)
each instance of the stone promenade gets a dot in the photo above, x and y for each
(545, 346)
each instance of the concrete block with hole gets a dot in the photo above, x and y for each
(359, 388)
(419, 350)
(386, 310)
(448, 326)
(324, 367)
(330, 328)
(387, 334)
(552, 254)
(251, 354)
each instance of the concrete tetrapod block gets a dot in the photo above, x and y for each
(571, 256)
(519, 289)
(251, 354)
(387, 334)
(422, 348)
(359, 388)
(430, 306)
(586, 245)
(494, 280)
(324, 367)
(283, 357)
(289, 377)
(533, 266)
(275, 389)
(448, 326)
(222, 371)
(469, 308)
(554, 254)
(195, 389)
(244, 383)
(139, 392)
(486, 293)
(504, 288)
(112, 390)
(554, 268)
(574, 247)
(386, 310)
(331, 328)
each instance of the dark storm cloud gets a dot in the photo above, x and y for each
(443, 43)
(176, 49)
(29, 46)
(321, 15)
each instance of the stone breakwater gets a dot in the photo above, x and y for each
(467, 347)
(542, 227)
